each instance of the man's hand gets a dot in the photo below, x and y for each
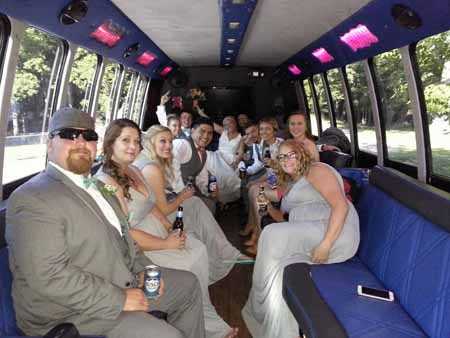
(165, 98)
(135, 300)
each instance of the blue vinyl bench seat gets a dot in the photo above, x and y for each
(405, 247)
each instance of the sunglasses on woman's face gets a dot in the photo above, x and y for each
(73, 133)
(289, 156)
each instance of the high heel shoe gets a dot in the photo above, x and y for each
(252, 251)
(246, 231)
(253, 240)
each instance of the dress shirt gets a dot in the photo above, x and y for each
(162, 115)
(257, 165)
(182, 153)
(92, 190)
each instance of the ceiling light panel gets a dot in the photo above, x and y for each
(236, 16)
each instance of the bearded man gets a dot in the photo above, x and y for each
(72, 257)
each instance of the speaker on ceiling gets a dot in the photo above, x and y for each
(74, 12)
(178, 79)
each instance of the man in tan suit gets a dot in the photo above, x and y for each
(72, 258)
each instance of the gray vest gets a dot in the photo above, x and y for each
(194, 166)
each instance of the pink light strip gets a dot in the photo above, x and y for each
(359, 37)
(322, 55)
(146, 58)
(294, 70)
(107, 34)
(166, 71)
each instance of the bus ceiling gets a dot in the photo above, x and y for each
(300, 38)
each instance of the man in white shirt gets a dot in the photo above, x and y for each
(191, 157)
(72, 258)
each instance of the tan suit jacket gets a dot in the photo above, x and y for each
(68, 262)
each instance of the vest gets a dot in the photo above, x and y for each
(194, 166)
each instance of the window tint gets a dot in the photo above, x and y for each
(126, 95)
(323, 103)
(33, 97)
(106, 99)
(338, 101)
(81, 80)
(309, 102)
(433, 58)
(395, 104)
(359, 90)
(137, 106)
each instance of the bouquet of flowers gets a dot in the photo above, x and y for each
(196, 94)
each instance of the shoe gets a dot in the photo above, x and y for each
(253, 240)
(252, 251)
(246, 231)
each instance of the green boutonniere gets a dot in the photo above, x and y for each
(108, 190)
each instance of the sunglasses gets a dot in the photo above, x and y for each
(289, 156)
(72, 134)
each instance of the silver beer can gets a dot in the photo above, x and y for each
(152, 281)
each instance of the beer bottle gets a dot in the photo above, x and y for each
(190, 182)
(212, 183)
(261, 201)
(242, 170)
(267, 157)
(178, 223)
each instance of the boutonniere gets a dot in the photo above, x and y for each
(108, 190)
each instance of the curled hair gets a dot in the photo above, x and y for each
(110, 167)
(165, 164)
(307, 132)
(303, 158)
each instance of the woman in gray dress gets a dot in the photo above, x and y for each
(323, 227)
(150, 228)
(155, 163)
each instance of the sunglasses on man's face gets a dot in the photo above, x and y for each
(73, 133)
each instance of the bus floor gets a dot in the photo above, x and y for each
(230, 294)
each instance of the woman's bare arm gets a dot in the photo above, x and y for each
(325, 182)
(155, 179)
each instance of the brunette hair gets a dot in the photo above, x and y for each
(110, 167)
(270, 120)
(307, 132)
(303, 158)
(165, 164)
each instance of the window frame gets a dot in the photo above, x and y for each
(8, 66)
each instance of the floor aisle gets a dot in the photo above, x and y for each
(230, 294)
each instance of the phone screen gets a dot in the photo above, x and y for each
(375, 292)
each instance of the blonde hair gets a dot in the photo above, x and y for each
(149, 149)
(303, 158)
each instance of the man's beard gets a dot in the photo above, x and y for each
(79, 165)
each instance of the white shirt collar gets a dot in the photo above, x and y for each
(77, 179)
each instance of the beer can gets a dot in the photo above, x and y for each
(152, 281)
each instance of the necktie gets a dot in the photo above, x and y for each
(89, 181)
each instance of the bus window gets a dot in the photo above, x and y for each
(137, 106)
(323, 103)
(367, 139)
(106, 99)
(310, 103)
(433, 58)
(125, 94)
(32, 100)
(338, 101)
(395, 107)
(81, 79)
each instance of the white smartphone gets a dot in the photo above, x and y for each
(376, 293)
